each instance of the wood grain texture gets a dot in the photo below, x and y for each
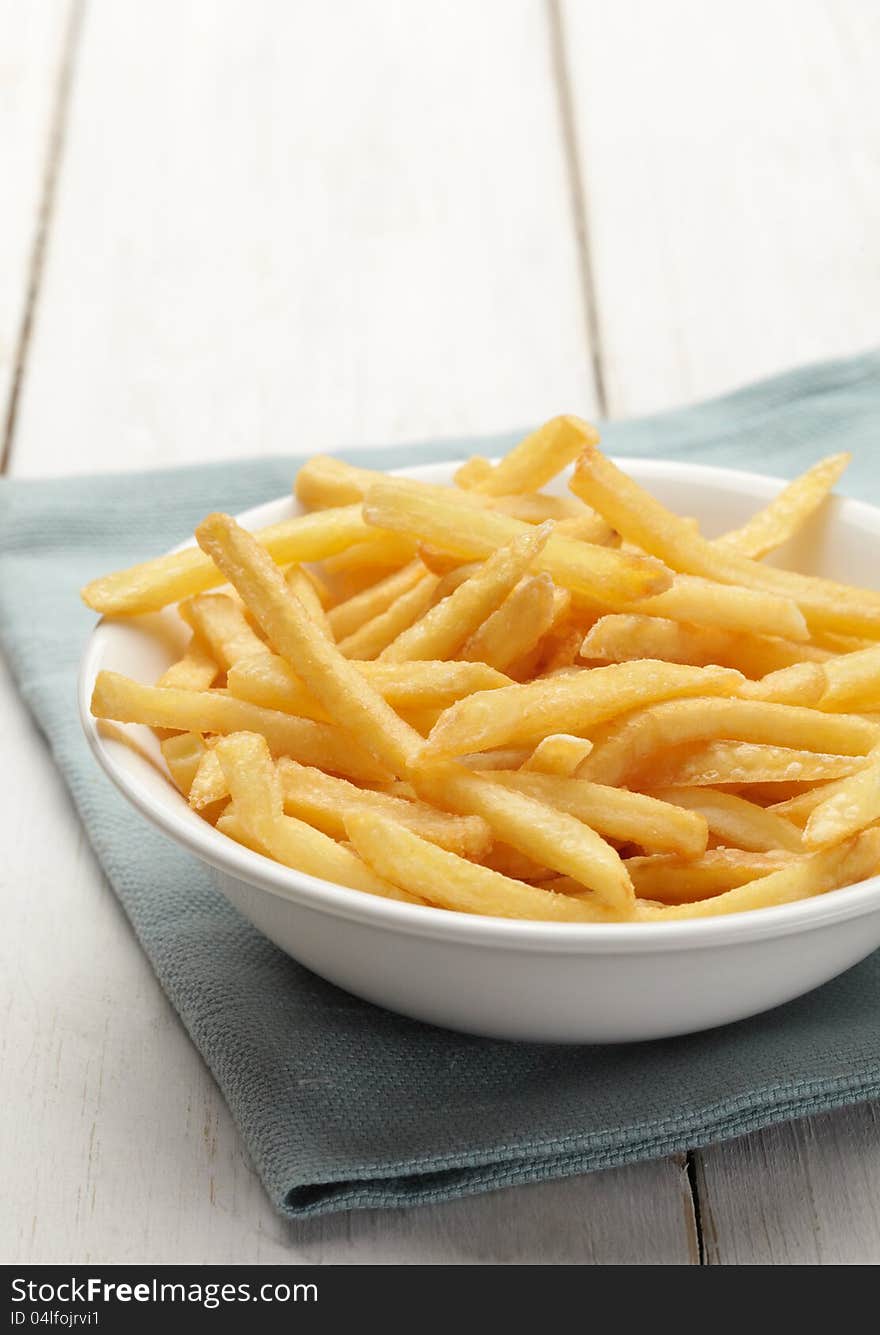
(302, 226)
(32, 48)
(729, 156)
(807, 1193)
(271, 243)
(117, 1147)
(729, 160)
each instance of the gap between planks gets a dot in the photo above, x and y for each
(43, 221)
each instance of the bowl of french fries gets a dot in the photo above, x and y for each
(549, 747)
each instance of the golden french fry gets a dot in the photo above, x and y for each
(747, 763)
(384, 551)
(221, 622)
(208, 782)
(168, 579)
(268, 680)
(802, 803)
(673, 879)
(551, 837)
(516, 626)
(623, 638)
(443, 629)
(846, 864)
(349, 616)
(781, 519)
(346, 695)
(300, 583)
(736, 822)
(125, 701)
(615, 813)
(600, 573)
(651, 731)
(506, 757)
(534, 507)
(853, 681)
(800, 684)
(510, 862)
(726, 607)
(558, 753)
(256, 794)
(449, 881)
(196, 671)
(182, 754)
(576, 703)
(375, 635)
(323, 481)
(537, 459)
(641, 519)
(325, 801)
(854, 805)
(472, 471)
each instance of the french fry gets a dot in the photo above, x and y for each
(169, 579)
(472, 471)
(256, 795)
(727, 607)
(678, 880)
(449, 881)
(324, 801)
(516, 626)
(781, 519)
(800, 684)
(220, 621)
(196, 671)
(323, 481)
(622, 638)
(443, 629)
(534, 507)
(640, 519)
(599, 573)
(800, 805)
(551, 837)
(208, 782)
(182, 754)
(747, 764)
(505, 757)
(537, 459)
(651, 731)
(125, 701)
(374, 636)
(854, 805)
(301, 584)
(349, 616)
(577, 703)
(267, 680)
(853, 681)
(329, 676)
(616, 813)
(846, 864)
(558, 753)
(379, 551)
(736, 822)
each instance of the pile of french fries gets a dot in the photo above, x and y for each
(492, 700)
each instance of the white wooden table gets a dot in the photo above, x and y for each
(234, 228)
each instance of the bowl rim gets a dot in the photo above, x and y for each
(257, 870)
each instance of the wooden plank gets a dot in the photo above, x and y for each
(303, 226)
(32, 49)
(728, 154)
(276, 245)
(116, 1143)
(732, 216)
(807, 1193)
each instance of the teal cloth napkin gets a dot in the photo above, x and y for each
(343, 1105)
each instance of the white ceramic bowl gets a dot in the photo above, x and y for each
(570, 983)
